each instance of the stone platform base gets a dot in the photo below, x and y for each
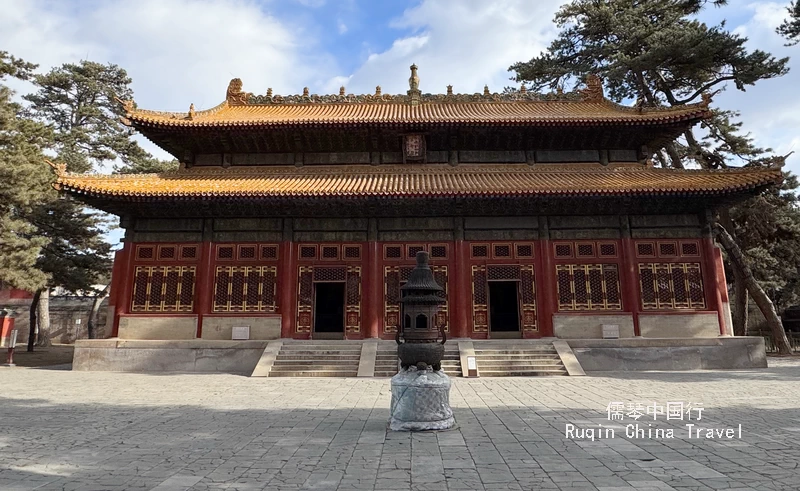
(636, 354)
(181, 356)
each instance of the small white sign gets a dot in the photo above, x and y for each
(240, 332)
(471, 363)
(77, 321)
(610, 331)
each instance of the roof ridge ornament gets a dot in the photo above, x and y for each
(414, 94)
(235, 96)
(59, 169)
(594, 89)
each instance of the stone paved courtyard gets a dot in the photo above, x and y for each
(107, 431)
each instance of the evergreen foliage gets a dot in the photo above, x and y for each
(790, 28)
(27, 183)
(657, 53)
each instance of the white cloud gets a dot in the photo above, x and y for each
(177, 52)
(467, 44)
(770, 109)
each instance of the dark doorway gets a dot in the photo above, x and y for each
(503, 309)
(329, 311)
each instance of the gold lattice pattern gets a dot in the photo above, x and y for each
(245, 289)
(527, 285)
(588, 287)
(305, 289)
(353, 304)
(163, 289)
(480, 306)
(669, 286)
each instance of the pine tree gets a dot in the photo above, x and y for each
(790, 28)
(656, 53)
(26, 181)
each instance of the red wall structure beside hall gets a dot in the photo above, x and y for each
(576, 277)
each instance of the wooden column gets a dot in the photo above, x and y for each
(124, 303)
(288, 281)
(461, 291)
(119, 279)
(373, 283)
(629, 280)
(545, 280)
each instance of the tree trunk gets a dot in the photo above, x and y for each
(98, 299)
(739, 311)
(32, 319)
(43, 339)
(761, 298)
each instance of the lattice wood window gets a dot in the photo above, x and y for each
(671, 286)
(167, 252)
(163, 289)
(392, 251)
(524, 250)
(308, 252)
(480, 250)
(245, 289)
(329, 252)
(351, 252)
(391, 299)
(269, 252)
(145, 253)
(305, 291)
(480, 297)
(353, 300)
(189, 252)
(439, 251)
(588, 287)
(690, 249)
(527, 286)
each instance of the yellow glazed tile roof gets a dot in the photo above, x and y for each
(245, 110)
(469, 180)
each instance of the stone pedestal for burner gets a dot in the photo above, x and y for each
(421, 391)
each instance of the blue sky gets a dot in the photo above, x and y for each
(180, 52)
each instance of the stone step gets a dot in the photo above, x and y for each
(313, 373)
(291, 361)
(315, 367)
(531, 356)
(515, 368)
(521, 373)
(321, 349)
(355, 353)
(514, 351)
(319, 356)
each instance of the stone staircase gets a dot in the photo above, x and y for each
(386, 360)
(386, 363)
(317, 359)
(510, 359)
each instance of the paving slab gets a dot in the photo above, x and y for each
(108, 431)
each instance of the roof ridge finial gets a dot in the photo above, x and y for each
(486, 90)
(377, 90)
(305, 91)
(235, 95)
(449, 90)
(59, 169)
(523, 90)
(342, 91)
(594, 89)
(414, 93)
(191, 111)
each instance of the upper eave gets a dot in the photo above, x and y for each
(242, 111)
